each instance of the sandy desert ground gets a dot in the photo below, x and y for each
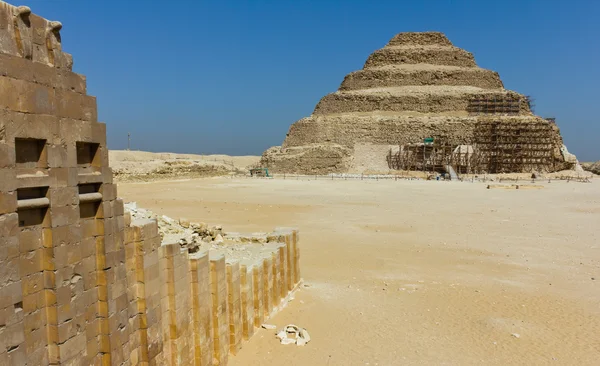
(418, 272)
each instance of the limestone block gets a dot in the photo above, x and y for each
(296, 246)
(9, 248)
(7, 155)
(283, 270)
(30, 239)
(65, 215)
(218, 280)
(27, 97)
(291, 261)
(71, 81)
(258, 294)
(107, 173)
(39, 28)
(71, 350)
(201, 308)
(63, 177)
(27, 125)
(17, 68)
(183, 307)
(23, 33)
(8, 202)
(10, 295)
(117, 206)
(12, 336)
(9, 225)
(64, 61)
(7, 34)
(61, 156)
(76, 106)
(99, 135)
(64, 196)
(71, 130)
(9, 271)
(109, 192)
(234, 307)
(31, 262)
(268, 285)
(247, 299)
(144, 229)
(275, 265)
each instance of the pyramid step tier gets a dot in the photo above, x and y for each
(420, 38)
(421, 74)
(435, 55)
(350, 129)
(425, 99)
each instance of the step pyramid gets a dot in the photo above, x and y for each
(418, 86)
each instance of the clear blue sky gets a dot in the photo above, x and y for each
(232, 76)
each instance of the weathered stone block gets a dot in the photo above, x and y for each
(63, 177)
(26, 125)
(62, 156)
(76, 106)
(7, 154)
(258, 295)
(234, 307)
(64, 196)
(9, 225)
(30, 239)
(64, 215)
(27, 97)
(8, 202)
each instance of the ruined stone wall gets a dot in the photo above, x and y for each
(79, 283)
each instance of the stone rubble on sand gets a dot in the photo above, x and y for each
(292, 334)
(188, 235)
(198, 237)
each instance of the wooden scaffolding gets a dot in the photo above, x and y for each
(497, 147)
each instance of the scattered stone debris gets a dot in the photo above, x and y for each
(516, 335)
(188, 234)
(268, 326)
(292, 334)
(197, 237)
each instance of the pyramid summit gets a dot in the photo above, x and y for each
(419, 86)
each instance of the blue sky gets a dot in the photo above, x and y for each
(232, 76)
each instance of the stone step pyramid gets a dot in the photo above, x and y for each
(418, 86)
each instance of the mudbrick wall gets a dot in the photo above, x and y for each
(80, 284)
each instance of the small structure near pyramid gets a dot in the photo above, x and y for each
(420, 103)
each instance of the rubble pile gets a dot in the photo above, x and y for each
(188, 235)
(197, 237)
(292, 334)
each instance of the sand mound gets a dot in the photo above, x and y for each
(143, 165)
(592, 167)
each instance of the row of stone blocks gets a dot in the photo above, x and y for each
(105, 291)
(196, 309)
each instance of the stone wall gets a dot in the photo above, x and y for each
(80, 284)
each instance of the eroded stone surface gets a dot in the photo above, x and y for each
(418, 86)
